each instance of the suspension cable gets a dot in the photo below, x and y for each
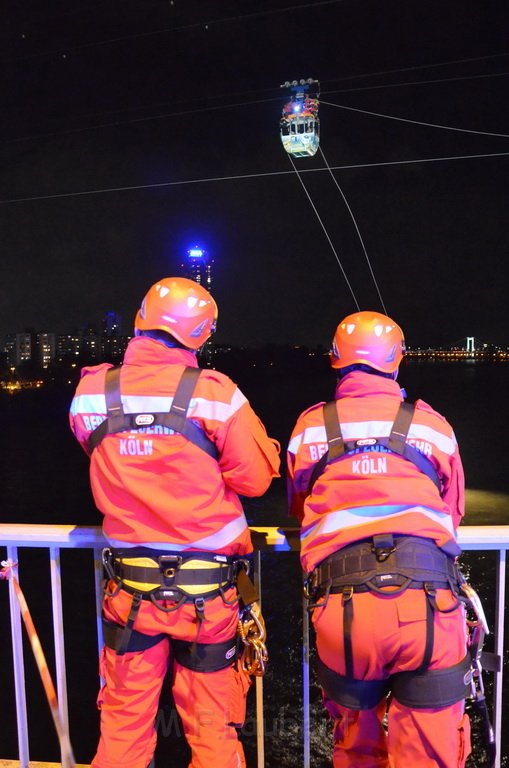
(416, 122)
(336, 182)
(325, 232)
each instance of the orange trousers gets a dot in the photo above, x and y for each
(210, 704)
(388, 636)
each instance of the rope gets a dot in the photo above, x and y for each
(325, 232)
(7, 573)
(416, 122)
(242, 176)
(356, 229)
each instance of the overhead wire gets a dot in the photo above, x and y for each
(415, 67)
(412, 83)
(415, 122)
(336, 182)
(232, 105)
(167, 30)
(242, 176)
(325, 232)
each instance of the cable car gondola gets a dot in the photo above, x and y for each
(299, 126)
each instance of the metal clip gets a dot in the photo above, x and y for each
(476, 605)
(252, 632)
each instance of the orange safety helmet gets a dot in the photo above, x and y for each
(180, 307)
(368, 338)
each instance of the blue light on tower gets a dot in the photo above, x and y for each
(198, 266)
(196, 252)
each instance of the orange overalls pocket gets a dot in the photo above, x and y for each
(102, 675)
(465, 747)
(239, 684)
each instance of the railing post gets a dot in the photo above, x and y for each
(19, 666)
(260, 722)
(499, 649)
(305, 684)
(98, 579)
(58, 636)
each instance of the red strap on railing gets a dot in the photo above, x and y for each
(7, 573)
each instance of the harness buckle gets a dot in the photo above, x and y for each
(169, 565)
(347, 593)
(383, 546)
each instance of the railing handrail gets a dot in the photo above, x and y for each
(56, 537)
(470, 537)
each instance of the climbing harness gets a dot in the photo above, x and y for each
(164, 577)
(190, 577)
(395, 443)
(7, 573)
(173, 420)
(400, 563)
(404, 562)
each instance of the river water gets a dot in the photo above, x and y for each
(44, 479)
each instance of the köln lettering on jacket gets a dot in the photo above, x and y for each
(376, 465)
(133, 446)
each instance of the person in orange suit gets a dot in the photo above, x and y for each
(378, 487)
(171, 447)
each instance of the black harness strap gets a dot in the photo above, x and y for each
(200, 657)
(400, 428)
(129, 627)
(205, 657)
(395, 443)
(432, 689)
(175, 419)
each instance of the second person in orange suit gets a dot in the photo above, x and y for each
(378, 488)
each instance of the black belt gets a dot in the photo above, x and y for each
(409, 561)
(168, 578)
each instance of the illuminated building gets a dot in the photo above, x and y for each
(47, 348)
(198, 266)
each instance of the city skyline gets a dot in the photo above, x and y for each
(126, 140)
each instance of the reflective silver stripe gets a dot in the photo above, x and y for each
(214, 542)
(363, 429)
(358, 517)
(86, 404)
(198, 407)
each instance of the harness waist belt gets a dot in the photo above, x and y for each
(193, 573)
(412, 557)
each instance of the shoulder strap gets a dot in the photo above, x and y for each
(119, 421)
(400, 428)
(396, 442)
(334, 440)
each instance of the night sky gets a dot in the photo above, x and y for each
(132, 130)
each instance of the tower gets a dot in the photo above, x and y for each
(198, 266)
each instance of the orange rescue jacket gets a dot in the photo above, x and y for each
(371, 492)
(155, 487)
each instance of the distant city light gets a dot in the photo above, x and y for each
(196, 252)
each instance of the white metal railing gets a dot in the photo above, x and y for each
(57, 537)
